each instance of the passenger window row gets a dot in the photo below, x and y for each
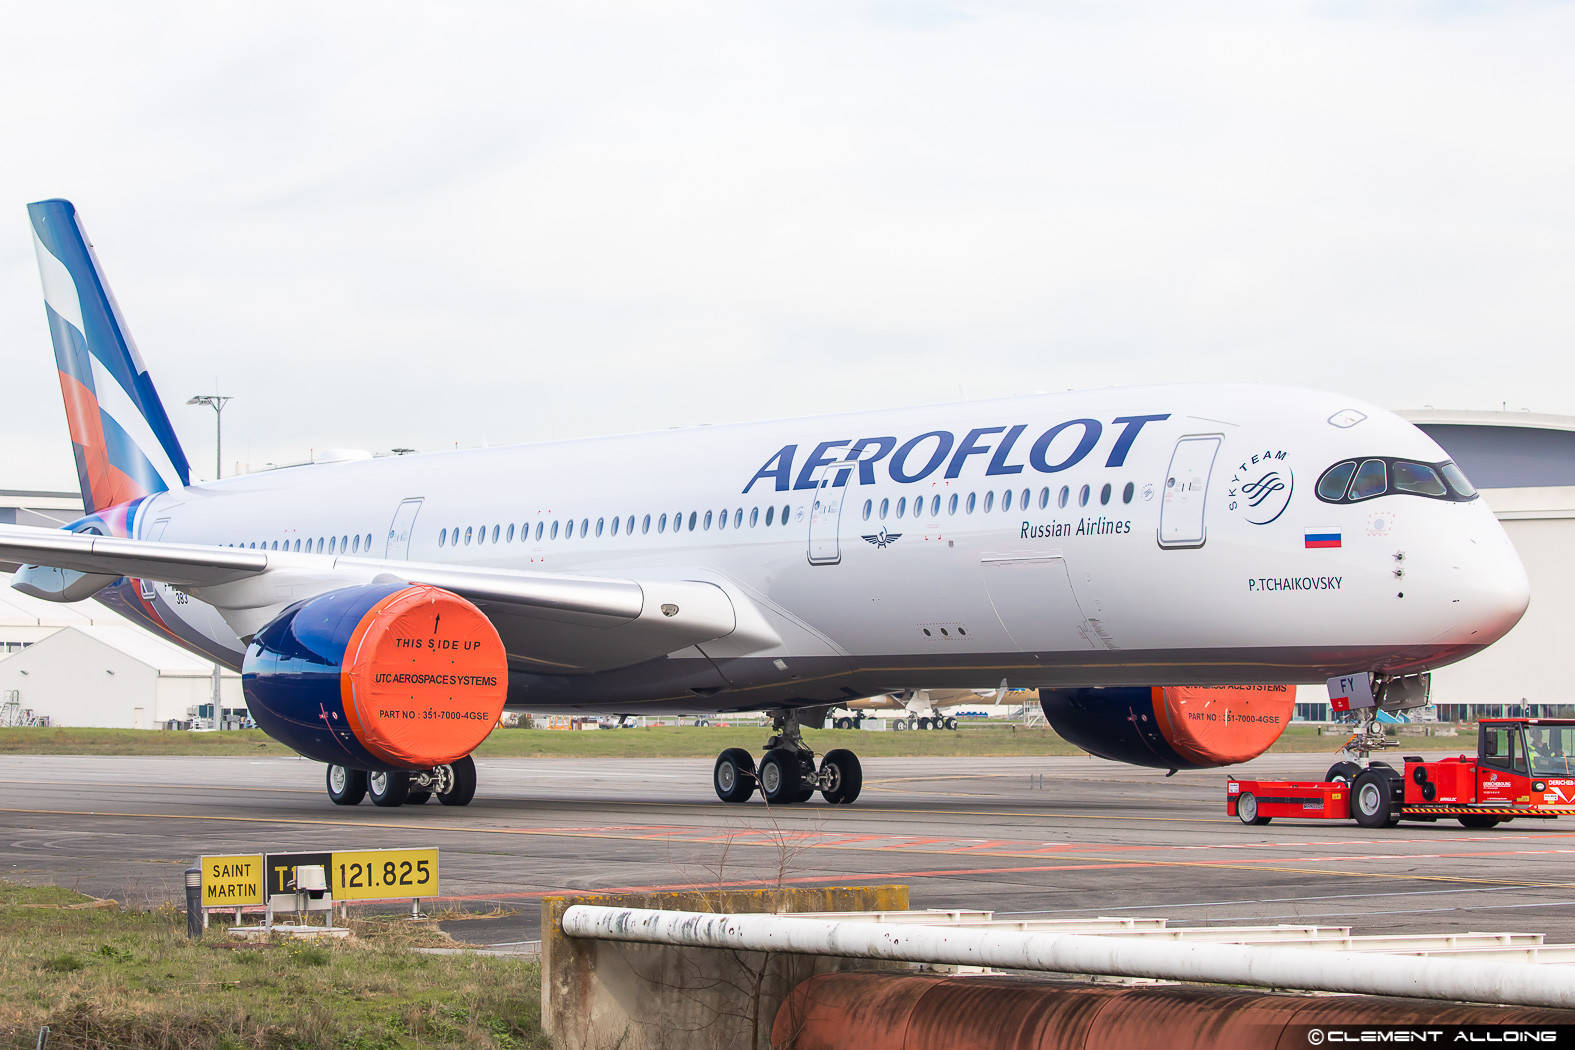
(318, 545)
(1023, 500)
(568, 528)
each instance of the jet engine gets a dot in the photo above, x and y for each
(1171, 727)
(378, 677)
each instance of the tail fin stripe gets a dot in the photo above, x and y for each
(139, 453)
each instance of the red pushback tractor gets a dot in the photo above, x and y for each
(1524, 767)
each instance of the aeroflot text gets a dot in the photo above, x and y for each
(1295, 583)
(1060, 447)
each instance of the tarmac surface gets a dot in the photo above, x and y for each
(1089, 838)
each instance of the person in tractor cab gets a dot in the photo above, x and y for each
(1550, 749)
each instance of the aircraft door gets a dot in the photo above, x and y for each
(1186, 491)
(401, 529)
(825, 513)
(147, 588)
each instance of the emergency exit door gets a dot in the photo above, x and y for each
(1181, 523)
(401, 529)
(825, 513)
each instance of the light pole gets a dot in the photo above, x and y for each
(217, 403)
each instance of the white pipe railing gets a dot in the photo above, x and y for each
(1518, 984)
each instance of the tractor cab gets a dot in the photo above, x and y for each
(1521, 762)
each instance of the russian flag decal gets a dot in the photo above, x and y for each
(1328, 536)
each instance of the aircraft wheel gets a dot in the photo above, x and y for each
(847, 777)
(1247, 810)
(733, 776)
(844, 723)
(900, 724)
(418, 796)
(913, 723)
(388, 789)
(781, 777)
(1478, 821)
(346, 787)
(951, 722)
(1372, 800)
(1342, 771)
(462, 785)
(924, 723)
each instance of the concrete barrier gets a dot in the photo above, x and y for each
(597, 993)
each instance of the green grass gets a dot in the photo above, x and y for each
(131, 980)
(973, 739)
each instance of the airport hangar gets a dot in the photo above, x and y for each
(81, 665)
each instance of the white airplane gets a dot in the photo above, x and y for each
(384, 612)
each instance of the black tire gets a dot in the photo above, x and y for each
(418, 796)
(1419, 776)
(388, 789)
(1345, 771)
(462, 785)
(1478, 821)
(844, 723)
(951, 722)
(900, 724)
(781, 777)
(733, 776)
(847, 777)
(924, 723)
(1247, 810)
(346, 787)
(1429, 791)
(1372, 798)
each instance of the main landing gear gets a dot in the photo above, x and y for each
(453, 784)
(787, 772)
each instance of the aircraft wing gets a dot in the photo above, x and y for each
(551, 622)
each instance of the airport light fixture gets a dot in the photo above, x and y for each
(217, 403)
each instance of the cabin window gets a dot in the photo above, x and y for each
(1066, 494)
(885, 508)
(1006, 501)
(645, 526)
(356, 548)
(706, 521)
(951, 504)
(332, 538)
(770, 513)
(738, 518)
(784, 514)
(1104, 495)
(1082, 496)
(935, 506)
(989, 501)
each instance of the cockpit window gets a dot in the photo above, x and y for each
(1370, 479)
(1419, 478)
(1455, 478)
(1331, 487)
(1355, 480)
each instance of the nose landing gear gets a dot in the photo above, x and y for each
(788, 772)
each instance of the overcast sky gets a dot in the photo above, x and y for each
(400, 225)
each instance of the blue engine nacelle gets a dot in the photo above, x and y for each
(381, 676)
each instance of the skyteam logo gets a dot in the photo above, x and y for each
(1261, 487)
(883, 539)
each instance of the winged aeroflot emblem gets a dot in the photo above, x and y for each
(883, 539)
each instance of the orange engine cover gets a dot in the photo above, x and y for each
(1218, 725)
(425, 677)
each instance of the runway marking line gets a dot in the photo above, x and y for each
(1089, 862)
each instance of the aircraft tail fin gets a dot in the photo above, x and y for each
(124, 444)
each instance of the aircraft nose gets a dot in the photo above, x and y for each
(1499, 590)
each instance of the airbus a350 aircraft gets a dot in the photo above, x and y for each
(384, 612)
